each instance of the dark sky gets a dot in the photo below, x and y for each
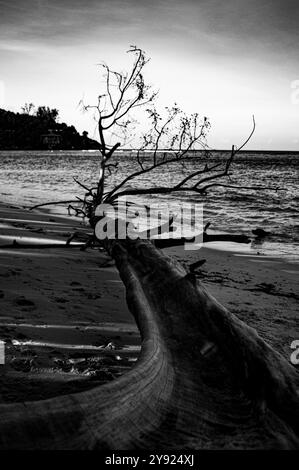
(227, 59)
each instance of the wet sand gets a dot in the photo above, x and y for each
(64, 318)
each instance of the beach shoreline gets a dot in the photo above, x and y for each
(65, 321)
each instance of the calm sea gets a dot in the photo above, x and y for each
(27, 178)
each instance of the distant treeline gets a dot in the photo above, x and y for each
(38, 130)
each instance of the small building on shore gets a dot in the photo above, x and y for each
(51, 140)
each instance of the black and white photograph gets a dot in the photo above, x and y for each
(149, 251)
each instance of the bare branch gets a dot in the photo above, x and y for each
(180, 155)
(53, 203)
(257, 188)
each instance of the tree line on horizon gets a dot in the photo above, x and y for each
(38, 129)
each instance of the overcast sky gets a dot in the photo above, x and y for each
(227, 59)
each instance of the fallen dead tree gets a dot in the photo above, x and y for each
(204, 379)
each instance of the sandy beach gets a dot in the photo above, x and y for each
(63, 313)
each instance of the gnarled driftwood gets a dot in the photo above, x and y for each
(204, 379)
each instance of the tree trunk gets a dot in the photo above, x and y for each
(204, 379)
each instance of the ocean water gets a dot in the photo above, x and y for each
(28, 178)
